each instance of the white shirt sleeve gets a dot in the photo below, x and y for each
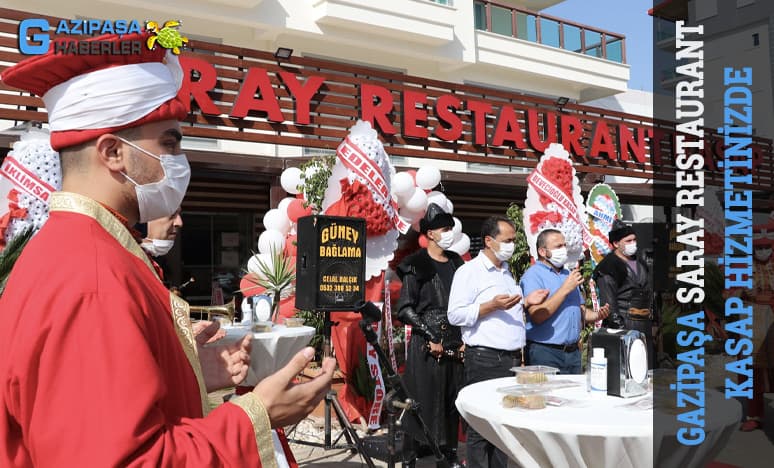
(463, 309)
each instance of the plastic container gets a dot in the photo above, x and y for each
(598, 371)
(293, 322)
(262, 327)
(527, 399)
(533, 374)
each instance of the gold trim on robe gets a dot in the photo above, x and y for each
(75, 203)
(253, 406)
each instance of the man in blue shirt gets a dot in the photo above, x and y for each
(553, 326)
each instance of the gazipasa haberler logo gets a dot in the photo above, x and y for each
(34, 36)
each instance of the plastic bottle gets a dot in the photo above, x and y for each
(598, 371)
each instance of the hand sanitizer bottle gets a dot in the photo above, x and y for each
(598, 371)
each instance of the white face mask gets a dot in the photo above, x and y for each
(158, 247)
(446, 240)
(762, 254)
(630, 249)
(162, 198)
(558, 257)
(505, 252)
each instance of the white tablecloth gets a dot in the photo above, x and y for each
(271, 350)
(601, 431)
(598, 434)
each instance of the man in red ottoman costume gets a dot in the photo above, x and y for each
(98, 362)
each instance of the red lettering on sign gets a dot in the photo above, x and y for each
(478, 111)
(548, 129)
(445, 107)
(601, 141)
(627, 142)
(572, 133)
(507, 129)
(257, 80)
(302, 94)
(197, 90)
(413, 116)
(377, 105)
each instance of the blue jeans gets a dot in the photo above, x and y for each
(480, 365)
(567, 363)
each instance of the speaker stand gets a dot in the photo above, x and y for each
(354, 442)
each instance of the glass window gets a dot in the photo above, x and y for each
(593, 43)
(549, 32)
(705, 9)
(614, 50)
(208, 258)
(479, 15)
(525, 27)
(572, 38)
(501, 21)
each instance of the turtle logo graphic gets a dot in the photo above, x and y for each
(167, 36)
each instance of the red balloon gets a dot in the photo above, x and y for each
(423, 241)
(296, 210)
(466, 256)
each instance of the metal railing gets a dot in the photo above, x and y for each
(549, 30)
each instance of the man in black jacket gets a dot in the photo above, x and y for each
(624, 283)
(433, 368)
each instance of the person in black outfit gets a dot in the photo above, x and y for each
(624, 282)
(434, 369)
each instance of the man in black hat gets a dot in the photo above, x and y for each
(624, 282)
(433, 367)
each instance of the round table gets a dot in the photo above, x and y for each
(594, 431)
(271, 350)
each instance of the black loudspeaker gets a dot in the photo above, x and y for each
(330, 263)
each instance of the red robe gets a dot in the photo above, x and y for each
(95, 371)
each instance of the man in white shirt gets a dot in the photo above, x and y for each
(485, 301)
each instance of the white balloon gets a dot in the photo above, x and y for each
(271, 241)
(418, 201)
(461, 246)
(290, 179)
(402, 185)
(410, 215)
(428, 177)
(253, 265)
(457, 229)
(276, 220)
(438, 198)
(449, 206)
(283, 205)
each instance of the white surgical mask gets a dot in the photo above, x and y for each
(558, 257)
(446, 240)
(162, 198)
(630, 249)
(157, 247)
(762, 254)
(505, 252)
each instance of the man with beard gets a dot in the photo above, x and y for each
(624, 282)
(432, 376)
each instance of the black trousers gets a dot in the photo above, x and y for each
(485, 364)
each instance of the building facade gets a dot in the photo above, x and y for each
(477, 88)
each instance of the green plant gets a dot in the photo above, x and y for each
(275, 277)
(316, 320)
(11, 253)
(314, 185)
(361, 379)
(520, 260)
